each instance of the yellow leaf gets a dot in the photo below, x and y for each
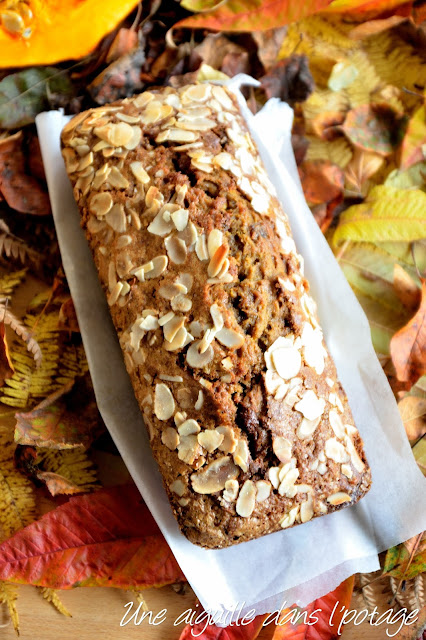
(17, 498)
(8, 596)
(413, 414)
(387, 215)
(337, 151)
(51, 595)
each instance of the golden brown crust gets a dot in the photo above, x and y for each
(249, 425)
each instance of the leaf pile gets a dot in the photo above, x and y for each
(354, 73)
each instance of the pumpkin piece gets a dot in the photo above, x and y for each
(39, 33)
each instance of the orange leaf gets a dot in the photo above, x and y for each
(370, 8)
(6, 367)
(373, 27)
(232, 632)
(324, 614)
(408, 345)
(249, 15)
(321, 180)
(107, 538)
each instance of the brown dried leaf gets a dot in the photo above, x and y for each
(408, 345)
(21, 330)
(124, 42)
(67, 317)
(406, 288)
(215, 47)
(290, 80)
(20, 189)
(57, 484)
(6, 367)
(326, 125)
(120, 79)
(269, 45)
(413, 414)
(362, 166)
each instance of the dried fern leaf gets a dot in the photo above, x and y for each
(17, 498)
(73, 363)
(29, 382)
(22, 331)
(14, 248)
(9, 281)
(51, 595)
(366, 82)
(8, 596)
(72, 464)
(413, 595)
(324, 101)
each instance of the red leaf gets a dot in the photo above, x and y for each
(320, 611)
(408, 345)
(232, 632)
(107, 538)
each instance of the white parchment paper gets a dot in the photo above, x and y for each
(307, 561)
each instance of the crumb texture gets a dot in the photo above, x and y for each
(247, 420)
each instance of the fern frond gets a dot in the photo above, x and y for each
(323, 101)
(397, 63)
(13, 247)
(21, 330)
(29, 382)
(72, 464)
(51, 595)
(8, 596)
(73, 363)
(338, 151)
(365, 83)
(17, 498)
(9, 281)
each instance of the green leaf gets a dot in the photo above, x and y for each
(386, 215)
(407, 560)
(25, 94)
(413, 177)
(419, 451)
(402, 252)
(413, 147)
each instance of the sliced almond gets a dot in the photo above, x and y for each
(273, 474)
(246, 499)
(159, 266)
(196, 359)
(356, 460)
(241, 455)
(336, 451)
(100, 203)
(201, 248)
(214, 476)
(188, 449)
(310, 405)
(196, 93)
(290, 517)
(181, 303)
(229, 442)
(307, 509)
(160, 226)
(282, 448)
(123, 241)
(339, 498)
(215, 240)
(135, 139)
(287, 484)
(180, 219)
(180, 340)
(178, 487)
(216, 317)
(170, 438)
(139, 172)
(210, 439)
(200, 401)
(164, 404)
(336, 423)
(189, 427)
(263, 490)
(217, 261)
(116, 179)
(171, 328)
(117, 135)
(307, 427)
(230, 338)
(347, 470)
(176, 249)
(116, 218)
(170, 291)
(287, 362)
(230, 492)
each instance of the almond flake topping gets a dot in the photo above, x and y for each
(241, 455)
(246, 499)
(282, 448)
(164, 404)
(170, 438)
(139, 172)
(310, 405)
(101, 203)
(178, 487)
(229, 442)
(336, 451)
(230, 338)
(263, 490)
(290, 517)
(189, 427)
(196, 359)
(339, 498)
(210, 439)
(230, 492)
(214, 476)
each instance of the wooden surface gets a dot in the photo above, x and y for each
(96, 615)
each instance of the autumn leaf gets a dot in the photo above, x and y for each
(57, 484)
(67, 418)
(120, 79)
(322, 181)
(419, 452)
(406, 288)
(25, 94)
(289, 80)
(248, 15)
(248, 631)
(20, 190)
(407, 560)
(124, 42)
(107, 538)
(6, 367)
(374, 128)
(372, 27)
(67, 320)
(408, 345)
(413, 413)
(326, 626)
(413, 144)
(363, 165)
(368, 8)
(411, 178)
(386, 215)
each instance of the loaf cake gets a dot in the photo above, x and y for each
(247, 420)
